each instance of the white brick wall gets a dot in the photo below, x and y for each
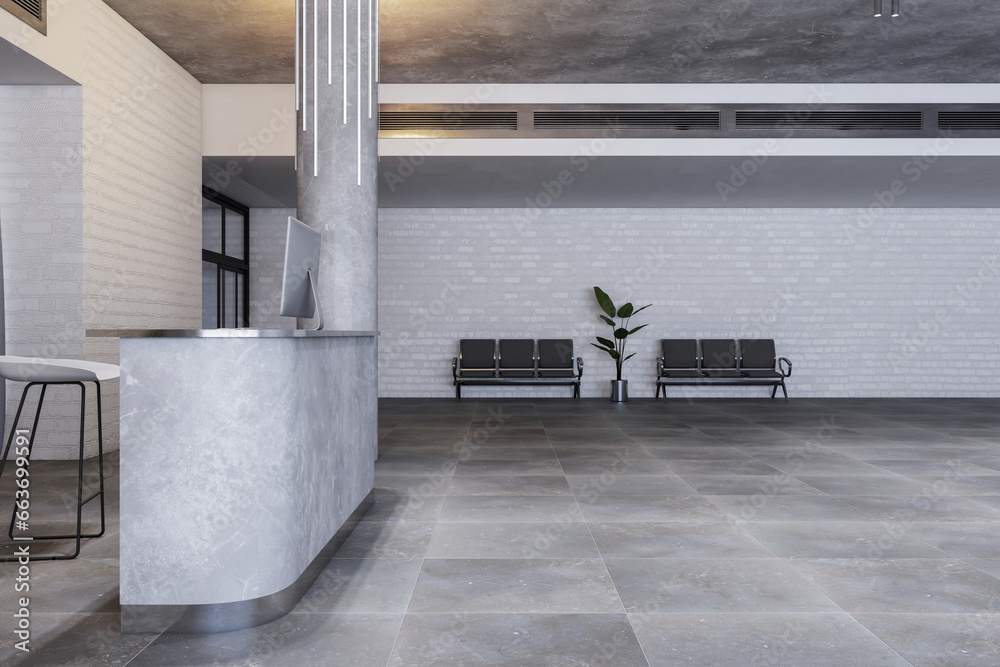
(100, 188)
(903, 304)
(41, 202)
(142, 188)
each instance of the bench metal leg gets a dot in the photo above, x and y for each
(458, 391)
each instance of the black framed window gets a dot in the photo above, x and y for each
(225, 255)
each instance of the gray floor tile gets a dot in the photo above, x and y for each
(839, 539)
(387, 539)
(922, 507)
(70, 639)
(714, 585)
(749, 485)
(556, 539)
(902, 585)
(868, 485)
(511, 508)
(588, 487)
(779, 507)
(722, 467)
(361, 585)
(513, 466)
(359, 640)
(677, 539)
(959, 538)
(512, 485)
(542, 453)
(515, 586)
(779, 640)
(391, 506)
(930, 640)
(516, 639)
(611, 509)
(678, 545)
(933, 467)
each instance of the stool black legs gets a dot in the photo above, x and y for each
(80, 501)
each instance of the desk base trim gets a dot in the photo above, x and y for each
(229, 616)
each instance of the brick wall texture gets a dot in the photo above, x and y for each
(106, 200)
(891, 302)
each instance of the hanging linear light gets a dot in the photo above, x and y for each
(344, 96)
(297, 63)
(329, 43)
(358, 60)
(878, 8)
(370, 40)
(315, 87)
(895, 7)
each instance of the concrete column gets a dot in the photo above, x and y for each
(337, 182)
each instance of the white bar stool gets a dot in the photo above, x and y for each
(47, 372)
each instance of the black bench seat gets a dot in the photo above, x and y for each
(516, 361)
(721, 361)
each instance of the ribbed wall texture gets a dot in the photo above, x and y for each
(898, 302)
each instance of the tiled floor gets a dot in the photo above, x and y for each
(551, 532)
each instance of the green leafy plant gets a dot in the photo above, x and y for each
(616, 347)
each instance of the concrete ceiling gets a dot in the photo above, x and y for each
(600, 41)
(619, 41)
(221, 41)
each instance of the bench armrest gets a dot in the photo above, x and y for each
(783, 371)
(454, 369)
(659, 367)
(579, 367)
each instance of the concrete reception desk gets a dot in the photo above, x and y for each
(246, 457)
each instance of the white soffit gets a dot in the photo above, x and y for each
(730, 93)
(628, 147)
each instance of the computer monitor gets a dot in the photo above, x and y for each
(298, 282)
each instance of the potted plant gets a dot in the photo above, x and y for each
(621, 332)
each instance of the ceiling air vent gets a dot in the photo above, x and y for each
(969, 120)
(784, 119)
(32, 12)
(447, 120)
(627, 120)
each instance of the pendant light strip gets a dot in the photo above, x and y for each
(329, 43)
(370, 12)
(359, 92)
(298, 64)
(305, 54)
(316, 87)
(378, 15)
(344, 96)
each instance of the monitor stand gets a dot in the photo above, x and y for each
(315, 295)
